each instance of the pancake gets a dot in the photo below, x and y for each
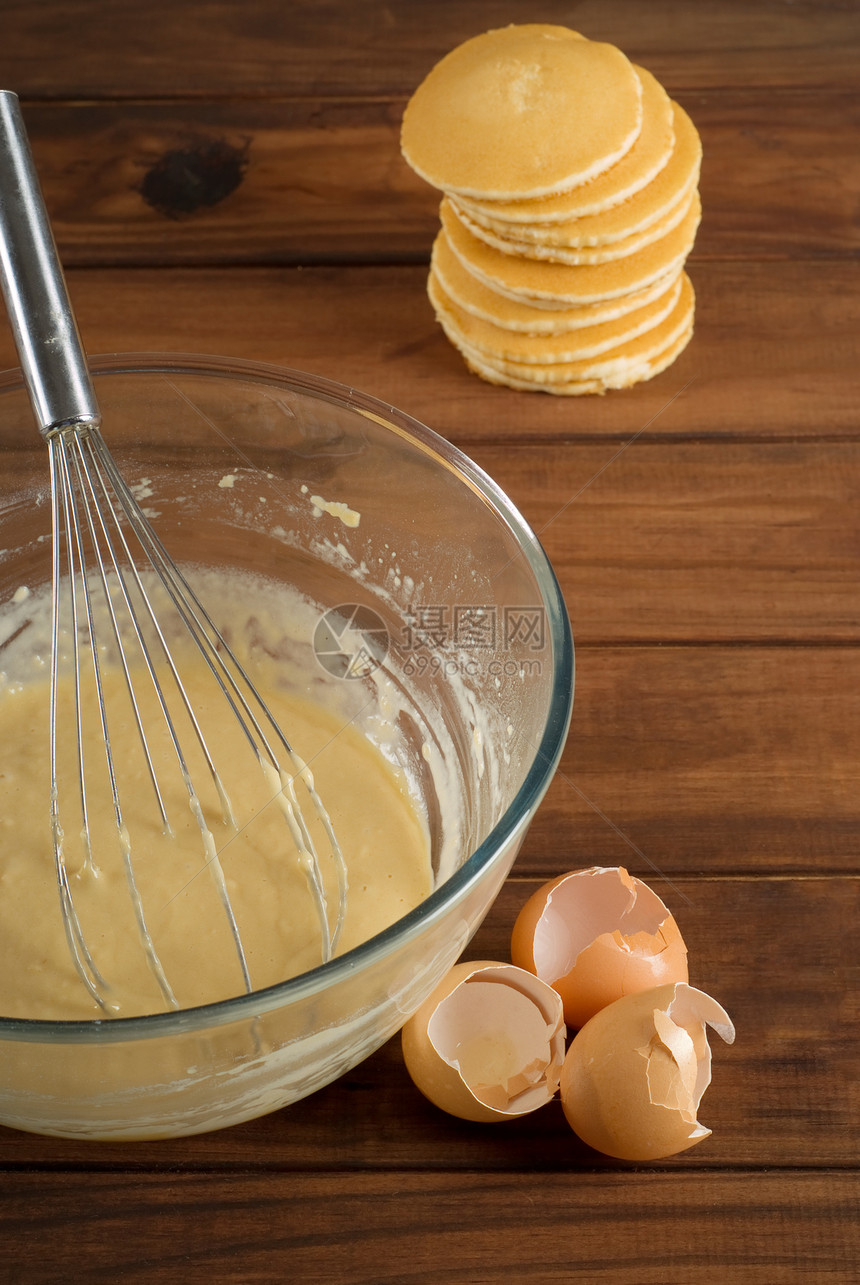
(613, 364)
(570, 205)
(638, 167)
(485, 121)
(583, 387)
(495, 343)
(589, 254)
(534, 317)
(651, 205)
(533, 279)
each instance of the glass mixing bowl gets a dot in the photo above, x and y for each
(244, 466)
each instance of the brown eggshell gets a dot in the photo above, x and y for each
(634, 1075)
(488, 1043)
(595, 935)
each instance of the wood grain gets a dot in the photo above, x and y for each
(290, 180)
(705, 542)
(269, 49)
(625, 1228)
(244, 182)
(707, 759)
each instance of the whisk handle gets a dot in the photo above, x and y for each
(43, 323)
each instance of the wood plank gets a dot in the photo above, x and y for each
(706, 542)
(753, 154)
(774, 952)
(707, 759)
(773, 354)
(316, 180)
(294, 181)
(624, 1228)
(270, 48)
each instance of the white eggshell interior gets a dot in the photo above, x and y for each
(587, 904)
(505, 1040)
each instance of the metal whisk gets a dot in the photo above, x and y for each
(109, 570)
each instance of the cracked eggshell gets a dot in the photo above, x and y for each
(595, 935)
(634, 1075)
(488, 1044)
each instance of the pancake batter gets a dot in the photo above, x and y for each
(382, 837)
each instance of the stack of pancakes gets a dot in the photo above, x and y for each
(570, 183)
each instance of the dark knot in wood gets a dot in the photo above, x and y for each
(194, 177)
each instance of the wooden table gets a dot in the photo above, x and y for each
(225, 178)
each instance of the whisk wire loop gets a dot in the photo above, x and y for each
(81, 957)
(110, 547)
(67, 448)
(248, 706)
